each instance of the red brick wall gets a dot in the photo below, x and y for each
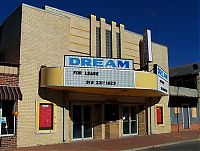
(8, 142)
(10, 80)
(176, 127)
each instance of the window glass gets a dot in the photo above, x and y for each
(108, 44)
(2, 55)
(98, 42)
(176, 110)
(111, 112)
(7, 118)
(118, 45)
(159, 114)
(194, 111)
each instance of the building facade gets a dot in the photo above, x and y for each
(9, 96)
(184, 100)
(82, 78)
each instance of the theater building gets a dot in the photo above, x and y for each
(82, 78)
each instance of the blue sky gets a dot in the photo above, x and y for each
(176, 24)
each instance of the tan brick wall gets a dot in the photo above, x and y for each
(79, 43)
(131, 47)
(112, 129)
(97, 121)
(141, 123)
(44, 41)
(160, 57)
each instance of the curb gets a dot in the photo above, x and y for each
(162, 145)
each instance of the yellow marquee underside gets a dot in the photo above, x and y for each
(145, 84)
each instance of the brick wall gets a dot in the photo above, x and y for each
(141, 123)
(112, 129)
(10, 80)
(8, 142)
(97, 121)
(179, 127)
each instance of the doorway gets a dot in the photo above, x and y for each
(82, 122)
(130, 120)
(186, 116)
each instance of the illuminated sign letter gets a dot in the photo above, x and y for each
(86, 62)
(110, 63)
(98, 62)
(74, 61)
(121, 64)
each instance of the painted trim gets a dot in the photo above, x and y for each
(38, 113)
(163, 108)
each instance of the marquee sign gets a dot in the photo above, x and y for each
(163, 79)
(95, 77)
(92, 62)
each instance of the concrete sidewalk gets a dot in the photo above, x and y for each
(126, 143)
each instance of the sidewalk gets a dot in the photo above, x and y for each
(126, 143)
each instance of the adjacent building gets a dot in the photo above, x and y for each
(82, 78)
(184, 99)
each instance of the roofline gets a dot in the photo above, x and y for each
(179, 66)
(9, 64)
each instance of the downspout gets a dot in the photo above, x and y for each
(64, 117)
(150, 121)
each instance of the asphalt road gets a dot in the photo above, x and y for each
(186, 146)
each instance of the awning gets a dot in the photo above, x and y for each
(10, 93)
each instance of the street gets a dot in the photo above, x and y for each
(186, 146)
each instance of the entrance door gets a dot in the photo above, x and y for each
(186, 117)
(82, 122)
(130, 120)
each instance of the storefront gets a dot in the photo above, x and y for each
(106, 97)
(82, 78)
(184, 100)
(9, 96)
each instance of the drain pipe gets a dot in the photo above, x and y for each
(150, 121)
(64, 117)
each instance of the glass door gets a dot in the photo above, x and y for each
(87, 121)
(77, 121)
(130, 120)
(82, 122)
(186, 117)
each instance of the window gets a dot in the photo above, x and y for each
(7, 119)
(194, 111)
(46, 118)
(176, 110)
(2, 55)
(108, 44)
(118, 45)
(159, 115)
(98, 42)
(111, 112)
(178, 82)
